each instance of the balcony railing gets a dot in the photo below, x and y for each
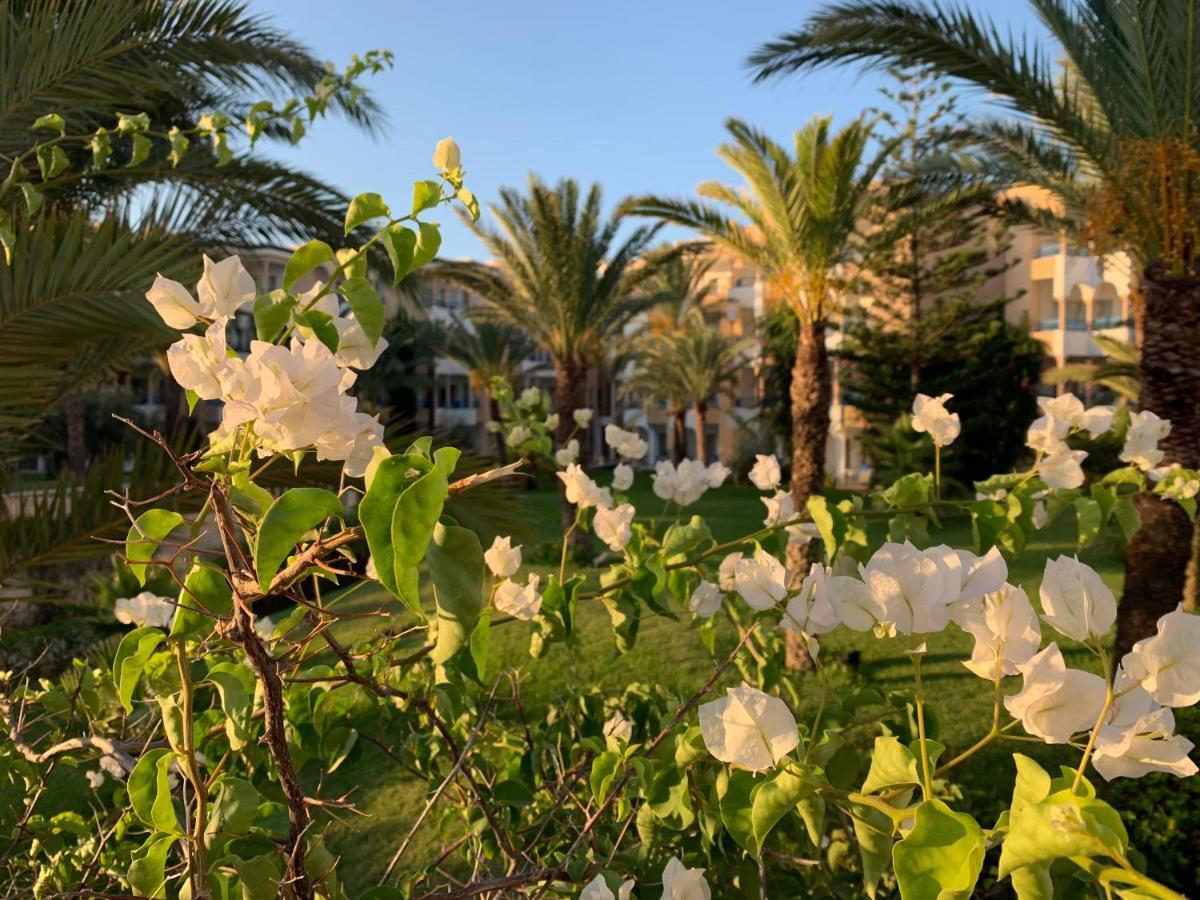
(1102, 322)
(1048, 324)
(1077, 325)
(1051, 323)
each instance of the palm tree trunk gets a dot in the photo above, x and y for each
(679, 436)
(73, 412)
(1156, 558)
(570, 386)
(699, 410)
(811, 395)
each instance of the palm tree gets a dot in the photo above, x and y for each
(679, 285)
(563, 275)
(1111, 135)
(488, 349)
(801, 209)
(690, 365)
(72, 304)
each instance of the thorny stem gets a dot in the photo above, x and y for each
(197, 864)
(1108, 702)
(266, 669)
(926, 773)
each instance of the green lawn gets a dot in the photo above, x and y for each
(671, 654)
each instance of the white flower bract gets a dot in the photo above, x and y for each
(748, 728)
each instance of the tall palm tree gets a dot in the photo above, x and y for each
(800, 210)
(564, 275)
(679, 285)
(1111, 134)
(488, 349)
(691, 364)
(72, 304)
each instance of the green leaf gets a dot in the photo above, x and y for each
(144, 536)
(271, 314)
(670, 798)
(733, 791)
(388, 482)
(467, 199)
(52, 161)
(604, 771)
(293, 515)
(248, 497)
(426, 195)
(139, 150)
(1090, 520)
(892, 765)
(684, 537)
(150, 791)
(147, 873)
(481, 640)
(830, 521)
(1127, 516)
(456, 569)
(132, 124)
(233, 809)
(305, 259)
(133, 653)
(429, 241)
(235, 685)
(773, 799)
(259, 877)
(941, 857)
(51, 122)
(33, 197)
(206, 593)
(364, 208)
(909, 492)
(400, 244)
(322, 325)
(101, 145)
(417, 512)
(179, 146)
(873, 831)
(365, 304)
(1064, 824)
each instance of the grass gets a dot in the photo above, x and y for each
(670, 654)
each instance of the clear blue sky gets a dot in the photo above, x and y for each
(630, 94)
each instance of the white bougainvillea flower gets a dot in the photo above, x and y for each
(95, 779)
(810, 612)
(853, 603)
(174, 303)
(1006, 631)
(531, 396)
(355, 350)
(1075, 601)
(1167, 664)
(618, 727)
(931, 416)
(144, 609)
(598, 889)
(1046, 434)
(582, 491)
(683, 484)
(1141, 440)
(727, 571)
(664, 479)
(748, 728)
(225, 287)
(981, 574)
(293, 393)
(551, 422)
(760, 580)
(518, 601)
(1040, 518)
(614, 526)
(682, 883)
(716, 474)
(1139, 737)
(201, 363)
(582, 417)
(446, 155)
(519, 435)
(1056, 702)
(706, 599)
(765, 474)
(502, 558)
(780, 508)
(626, 444)
(567, 455)
(913, 590)
(1062, 468)
(622, 478)
(353, 438)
